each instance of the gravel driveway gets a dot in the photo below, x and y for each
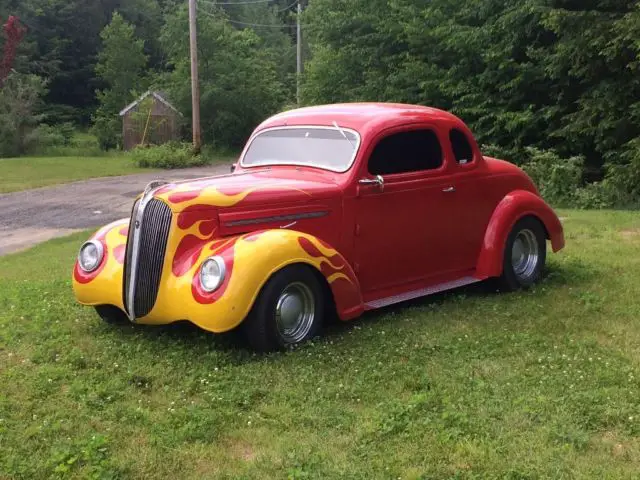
(33, 216)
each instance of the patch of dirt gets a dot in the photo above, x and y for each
(620, 449)
(243, 450)
(630, 234)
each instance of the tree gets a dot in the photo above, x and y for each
(239, 84)
(121, 64)
(557, 75)
(20, 99)
(62, 43)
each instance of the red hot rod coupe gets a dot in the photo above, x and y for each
(338, 208)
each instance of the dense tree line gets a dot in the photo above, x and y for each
(549, 83)
(559, 75)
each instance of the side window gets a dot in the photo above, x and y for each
(410, 151)
(461, 147)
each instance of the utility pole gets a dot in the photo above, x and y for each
(299, 52)
(195, 86)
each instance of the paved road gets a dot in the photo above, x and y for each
(33, 216)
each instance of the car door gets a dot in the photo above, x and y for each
(404, 213)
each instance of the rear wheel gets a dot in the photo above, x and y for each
(524, 255)
(288, 311)
(112, 315)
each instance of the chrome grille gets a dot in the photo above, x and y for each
(153, 245)
(146, 248)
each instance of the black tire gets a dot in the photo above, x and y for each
(264, 329)
(112, 315)
(521, 269)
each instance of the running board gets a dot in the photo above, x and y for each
(422, 292)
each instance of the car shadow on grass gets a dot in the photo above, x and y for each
(573, 273)
(233, 343)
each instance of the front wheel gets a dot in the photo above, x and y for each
(111, 314)
(288, 311)
(524, 255)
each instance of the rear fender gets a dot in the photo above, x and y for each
(514, 206)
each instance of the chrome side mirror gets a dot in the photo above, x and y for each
(233, 167)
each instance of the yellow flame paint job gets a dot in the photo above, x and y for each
(256, 258)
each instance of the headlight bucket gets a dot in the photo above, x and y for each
(90, 256)
(212, 273)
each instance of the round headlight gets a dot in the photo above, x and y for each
(90, 255)
(212, 273)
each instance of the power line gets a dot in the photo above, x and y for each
(287, 7)
(249, 24)
(241, 2)
(250, 3)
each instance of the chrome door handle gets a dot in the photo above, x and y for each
(449, 189)
(378, 180)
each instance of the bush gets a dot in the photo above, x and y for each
(20, 99)
(169, 155)
(596, 195)
(557, 178)
(61, 141)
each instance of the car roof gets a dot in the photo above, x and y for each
(360, 116)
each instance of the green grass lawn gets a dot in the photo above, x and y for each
(32, 172)
(471, 384)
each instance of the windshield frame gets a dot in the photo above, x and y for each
(298, 164)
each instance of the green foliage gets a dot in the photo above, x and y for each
(20, 98)
(623, 175)
(169, 155)
(63, 41)
(239, 84)
(120, 66)
(557, 178)
(90, 457)
(553, 75)
(62, 140)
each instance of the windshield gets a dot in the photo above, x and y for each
(328, 148)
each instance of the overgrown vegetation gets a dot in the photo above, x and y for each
(169, 155)
(556, 75)
(19, 102)
(121, 64)
(467, 385)
(239, 76)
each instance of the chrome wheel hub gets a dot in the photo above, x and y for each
(295, 311)
(525, 254)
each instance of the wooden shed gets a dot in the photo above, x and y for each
(150, 120)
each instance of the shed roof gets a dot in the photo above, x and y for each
(161, 97)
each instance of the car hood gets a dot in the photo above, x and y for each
(249, 190)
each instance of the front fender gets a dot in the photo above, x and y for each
(104, 284)
(513, 207)
(251, 260)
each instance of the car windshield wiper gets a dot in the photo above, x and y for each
(335, 124)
